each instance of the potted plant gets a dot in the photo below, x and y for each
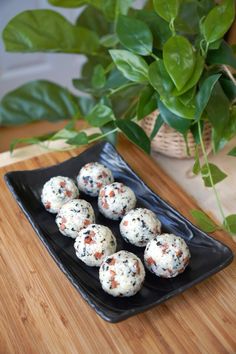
(169, 56)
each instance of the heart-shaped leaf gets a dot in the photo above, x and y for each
(216, 174)
(204, 94)
(160, 79)
(230, 223)
(218, 21)
(147, 102)
(135, 134)
(166, 9)
(193, 80)
(218, 109)
(132, 66)
(78, 140)
(180, 124)
(135, 35)
(38, 100)
(100, 115)
(99, 77)
(179, 60)
(47, 31)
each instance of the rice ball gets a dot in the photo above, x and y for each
(122, 274)
(139, 226)
(115, 200)
(74, 216)
(94, 243)
(92, 177)
(58, 191)
(167, 255)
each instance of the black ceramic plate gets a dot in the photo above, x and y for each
(208, 255)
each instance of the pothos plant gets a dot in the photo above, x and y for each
(170, 55)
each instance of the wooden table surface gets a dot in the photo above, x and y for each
(41, 312)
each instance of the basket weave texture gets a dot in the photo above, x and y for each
(170, 142)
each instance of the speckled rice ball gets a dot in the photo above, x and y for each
(122, 274)
(92, 177)
(115, 200)
(94, 244)
(167, 255)
(139, 226)
(74, 216)
(58, 191)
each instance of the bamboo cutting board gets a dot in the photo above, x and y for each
(41, 312)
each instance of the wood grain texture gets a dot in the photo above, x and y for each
(41, 312)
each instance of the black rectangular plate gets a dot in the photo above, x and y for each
(208, 255)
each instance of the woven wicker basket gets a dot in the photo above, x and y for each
(170, 142)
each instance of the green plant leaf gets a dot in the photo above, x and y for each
(135, 134)
(135, 35)
(229, 88)
(100, 115)
(193, 80)
(159, 27)
(218, 21)
(166, 9)
(180, 124)
(99, 77)
(179, 60)
(112, 137)
(64, 134)
(218, 109)
(223, 55)
(109, 40)
(205, 6)
(158, 123)
(29, 141)
(188, 96)
(230, 223)
(216, 44)
(187, 21)
(132, 66)
(232, 152)
(67, 3)
(94, 20)
(160, 79)
(78, 140)
(217, 174)
(147, 102)
(178, 108)
(197, 166)
(38, 100)
(204, 94)
(203, 221)
(86, 104)
(47, 31)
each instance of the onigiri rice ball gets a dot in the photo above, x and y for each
(74, 216)
(92, 177)
(139, 226)
(94, 243)
(167, 255)
(115, 200)
(122, 274)
(58, 191)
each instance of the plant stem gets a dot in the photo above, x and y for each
(121, 88)
(210, 177)
(103, 135)
(154, 56)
